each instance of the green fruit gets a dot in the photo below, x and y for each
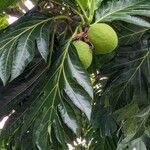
(84, 53)
(103, 38)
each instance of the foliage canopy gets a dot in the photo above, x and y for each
(50, 93)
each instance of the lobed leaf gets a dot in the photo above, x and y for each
(17, 44)
(56, 110)
(127, 11)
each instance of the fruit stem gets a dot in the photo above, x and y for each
(82, 19)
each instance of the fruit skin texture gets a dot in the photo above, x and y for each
(103, 37)
(84, 53)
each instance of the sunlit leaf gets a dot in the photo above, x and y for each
(126, 10)
(17, 44)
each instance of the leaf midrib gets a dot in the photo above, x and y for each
(147, 54)
(34, 26)
(56, 87)
(132, 34)
(111, 13)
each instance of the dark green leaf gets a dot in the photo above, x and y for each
(6, 3)
(55, 111)
(129, 33)
(126, 10)
(17, 44)
(103, 120)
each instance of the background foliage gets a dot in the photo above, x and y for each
(48, 95)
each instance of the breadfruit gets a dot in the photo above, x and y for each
(103, 37)
(84, 53)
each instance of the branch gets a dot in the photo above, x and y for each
(14, 12)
